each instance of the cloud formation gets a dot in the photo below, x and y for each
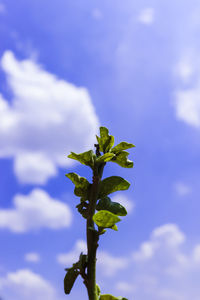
(34, 211)
(46, 119)
(162, 269)
(25, 284)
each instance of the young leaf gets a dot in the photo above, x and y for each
(114, 227)
(105, 140)
(114, 207)
(80, 182)
(105, 219)
(112, 184)
(110, 297)
(104, 158)
(69, 279)
(122, 146)
(122, 159)
(81, 185)
(85, 158)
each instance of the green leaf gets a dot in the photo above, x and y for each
(80, 182)
(104, 158)
(105, 219)
(105, 140)
(114, 207)
(112, 184)
(81, 185)
(98, 290)
(69, 279)
(110, 297)
(114, 227)
(122, 160)
(122, 146)
(85, 158)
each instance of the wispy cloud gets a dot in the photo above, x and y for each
(182, 189)
(32, 257)
(109, 264)
(97, 14)
(48, 118)
(146, 16)
(2, 8)
(34, 211)
(187, 105)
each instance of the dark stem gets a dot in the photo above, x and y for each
(92, 234)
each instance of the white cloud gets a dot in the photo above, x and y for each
(47, 118)
(32, 257)
(184, 69)
(163, 269)
(182, 189)
(72, 256)
(24, 284)
(187, 105)
(168, 234)
(165, 237)
(109, 264)
(125, 201)
(146, 16)
(186, 96)
(34, 211)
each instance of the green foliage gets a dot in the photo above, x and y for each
(114, 207)
(105, 219)
(85, 158)
(80, 182)
(122, 146)
(81, 185)
(104, 158)
(94, 196)
(110, 297)
(105, 140)
(121, 158)
(112, 184)
(69, 279)
(98, 290)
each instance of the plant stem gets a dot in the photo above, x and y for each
(92, 234)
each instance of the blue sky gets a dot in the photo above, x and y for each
(67, 67)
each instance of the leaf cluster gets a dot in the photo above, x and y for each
(108, 212)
